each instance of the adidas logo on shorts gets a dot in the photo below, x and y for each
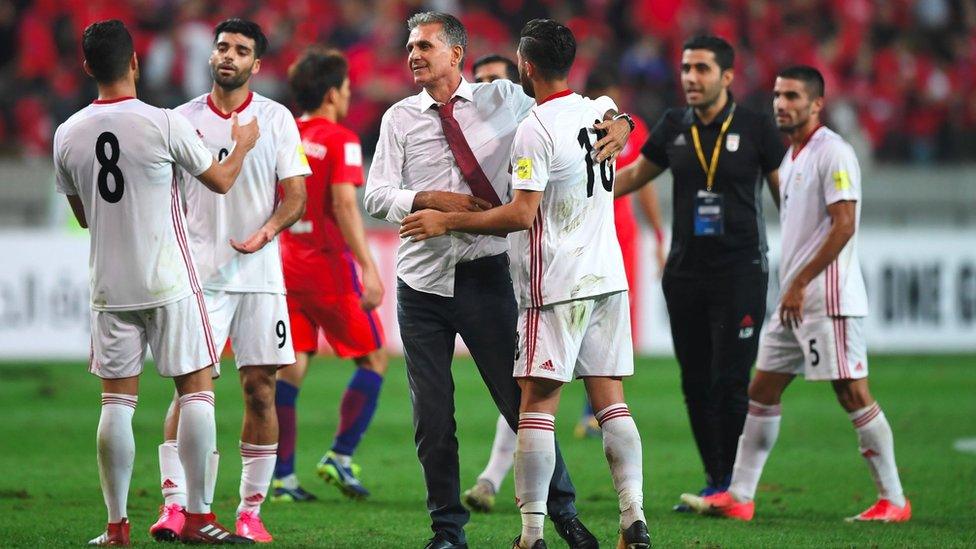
(547, 365)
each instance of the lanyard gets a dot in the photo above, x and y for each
(710, 169)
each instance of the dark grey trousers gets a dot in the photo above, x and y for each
(484, 312)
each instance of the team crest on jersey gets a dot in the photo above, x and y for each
(732, 142)
(523, 168)
(746, 327)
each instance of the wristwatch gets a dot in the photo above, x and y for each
(626, 117)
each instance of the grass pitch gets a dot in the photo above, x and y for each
(50, 496)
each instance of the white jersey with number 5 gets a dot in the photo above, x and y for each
(120, 157)
(214, 219)
(814, 176)
(571, 251)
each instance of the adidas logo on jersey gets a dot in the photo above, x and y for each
(680, 140)
(746, 327)
(167, 484)
(547, 365)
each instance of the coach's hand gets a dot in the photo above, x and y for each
(244, 136)
(618, 132)
(372, 289)
(444, 201)
(423, 225)
(791, 305)
(254, 242)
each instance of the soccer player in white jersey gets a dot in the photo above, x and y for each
(234, 238)
(569, 277)
(819, 329)
(115, 160)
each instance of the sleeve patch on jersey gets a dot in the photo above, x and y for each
(354, 154)
(301, 155)
(842, 181)
(523, 168)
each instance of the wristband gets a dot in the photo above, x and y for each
(627, 117)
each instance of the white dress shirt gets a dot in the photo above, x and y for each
(412, 155)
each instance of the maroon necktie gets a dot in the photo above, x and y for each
(470, 169)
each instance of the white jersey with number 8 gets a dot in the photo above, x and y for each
(571, 252)
(120, 158)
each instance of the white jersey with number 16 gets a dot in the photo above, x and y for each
(120, 158)
(571, 251)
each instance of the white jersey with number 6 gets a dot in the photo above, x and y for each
(814, 176)
(214, 219)
(120, 157)
(571, 251)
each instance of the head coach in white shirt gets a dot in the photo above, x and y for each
(448, 148)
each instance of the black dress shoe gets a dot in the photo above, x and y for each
(539, 543)
(635, 536)
(576, 535)
(437, 542)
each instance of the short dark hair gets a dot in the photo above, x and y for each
(452, 30)
(600, 79)
(812, 80)
(724, 54)
(511, 69)
(249, 29)
(550, 46)
(314, 73)
(108, 49)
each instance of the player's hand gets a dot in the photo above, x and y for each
(423, 225)
(791, 305)
(444, 201)
(618, 132)
(244, 136)
(254, 242)
(372, 290)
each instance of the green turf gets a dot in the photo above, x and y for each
(49, 492)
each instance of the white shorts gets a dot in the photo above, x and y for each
(256, 323)
(178, 334)
(581, 338)
(822, 348)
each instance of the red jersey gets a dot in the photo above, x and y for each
(314, 253)
(623, 214)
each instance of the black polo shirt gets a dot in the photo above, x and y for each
(752, 147)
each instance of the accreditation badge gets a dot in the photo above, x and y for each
(709, 214)
(732, 142)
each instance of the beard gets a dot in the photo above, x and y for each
(527, 86)
(232, 82)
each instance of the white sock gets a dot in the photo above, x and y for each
(172, 479)
(622, 446)
(258, 467)
(877, 445)
(535, 461)
(502, 455)
(758, 437)
(116, 452)
(196, 436)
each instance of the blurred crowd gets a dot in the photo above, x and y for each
(901, 74)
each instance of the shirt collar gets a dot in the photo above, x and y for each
(464, 91)
(690, 117)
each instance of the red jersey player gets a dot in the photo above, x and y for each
(333, 284)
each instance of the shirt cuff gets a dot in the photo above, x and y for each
(402, 205)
